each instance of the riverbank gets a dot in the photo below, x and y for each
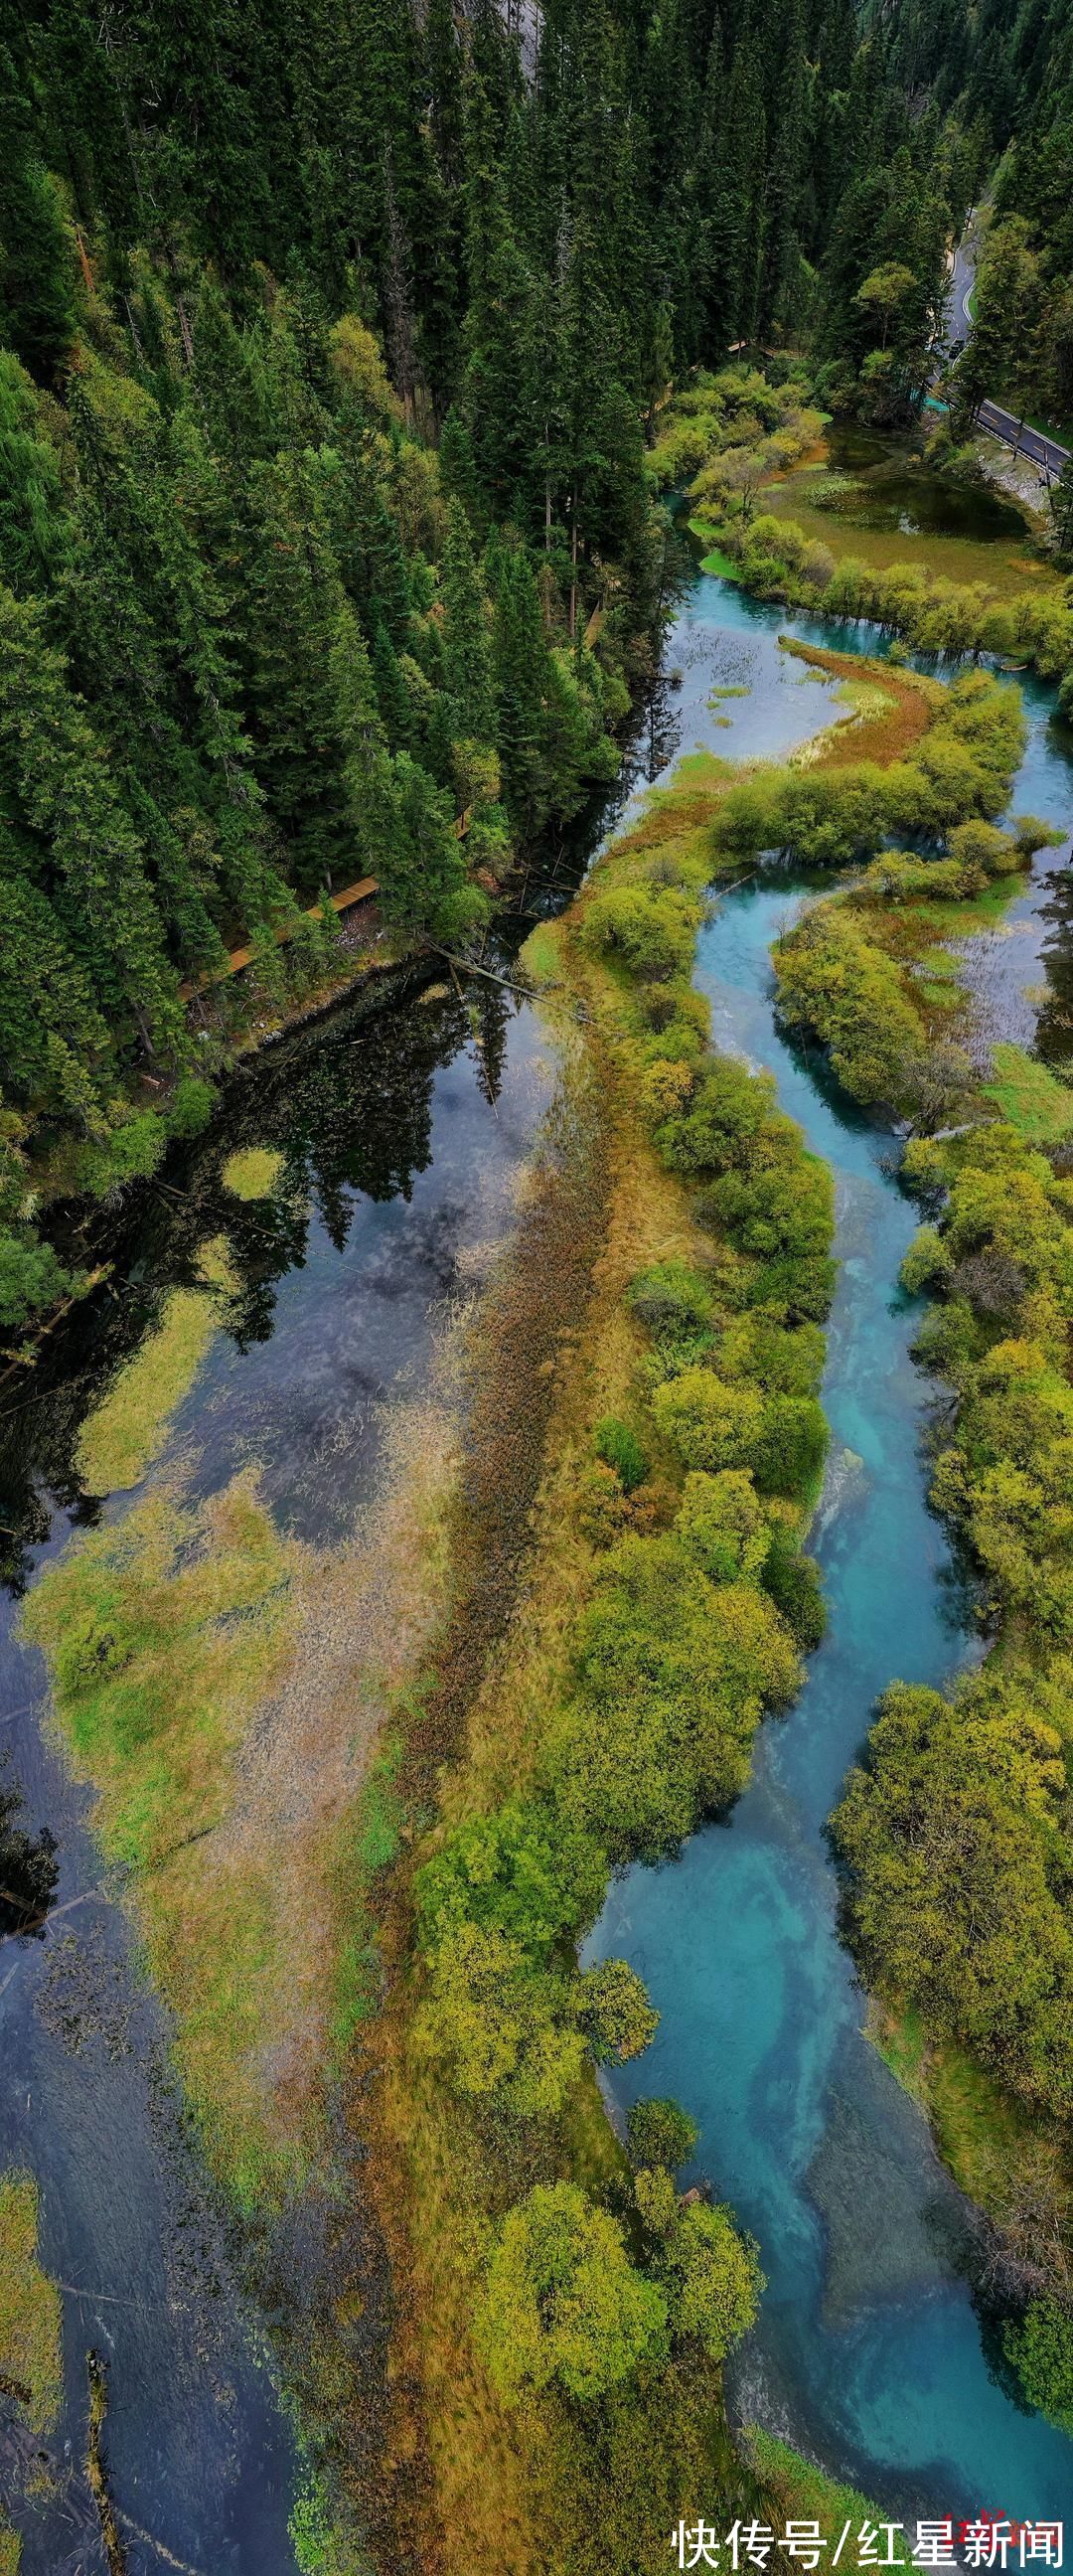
(378, 2366)
(457, 2172)
(608, 1480)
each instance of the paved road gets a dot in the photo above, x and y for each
(1044, 451)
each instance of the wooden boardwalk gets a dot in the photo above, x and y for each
(240, 957)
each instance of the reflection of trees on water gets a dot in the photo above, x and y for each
(493, 1008)
(1054, 1028)
(28, 1867)
(348, 1106)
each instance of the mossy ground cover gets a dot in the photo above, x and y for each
(31, 2321)
(992, 2148)
(803, 2491)
(714, 560)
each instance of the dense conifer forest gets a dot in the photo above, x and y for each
(331, 345)
(359, 366)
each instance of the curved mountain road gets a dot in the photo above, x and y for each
(1043, 450)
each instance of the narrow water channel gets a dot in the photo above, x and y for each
(872, 2352)
(401, 1137)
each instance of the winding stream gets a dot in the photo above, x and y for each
(401, 1138)
(870, 2353)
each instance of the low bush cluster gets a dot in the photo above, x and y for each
(731, 431)
(778, 560)
(1000, 1263)
(845, 969)
(961, 1872)
(564, 2301)
(961, 769)
(699, 1606)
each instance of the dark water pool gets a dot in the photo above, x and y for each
(890, 490)
(402, 1137)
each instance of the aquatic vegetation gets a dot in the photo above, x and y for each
(252, 1172)
(127, 1430)
(31, 2317)
(801, 2489)
(776, 558)
(863, 525)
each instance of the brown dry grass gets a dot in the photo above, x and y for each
(227, 1733)
(891, 732)
(489, 2489)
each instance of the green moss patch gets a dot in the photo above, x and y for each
(540, 956)
(252, 1172)
(716, 561)
(980, 2132)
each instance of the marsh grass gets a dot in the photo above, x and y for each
(223, 1687)
(964, 560)
(890, 710)
(983, 2136)
(1029, 1095)
(162, 1634)
(31, 2318)
(802, 2490)
(128, 1429)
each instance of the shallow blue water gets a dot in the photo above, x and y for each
(869, 2352)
